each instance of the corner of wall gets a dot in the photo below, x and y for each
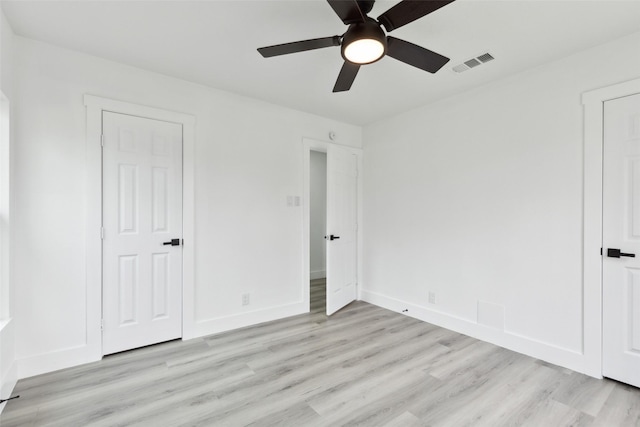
(6, 53)
(53, 361)
(8, 366)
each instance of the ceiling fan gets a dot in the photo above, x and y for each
(365, 41)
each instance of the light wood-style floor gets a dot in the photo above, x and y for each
(363, 366)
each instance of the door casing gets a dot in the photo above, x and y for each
(310, 145)
(95, 106)
(593, 102)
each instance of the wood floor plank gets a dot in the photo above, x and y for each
(378, 407)
(140, 392)
(387, 370)
(548, 412)
(362, 366)
(466, 398)
(520, 399)
(622, 408)
(299, 414)
(406, 419)
(584, 393)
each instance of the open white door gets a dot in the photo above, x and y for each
(142, 220)
(342, 176)
(621, 241)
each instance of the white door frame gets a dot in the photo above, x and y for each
(310, 145)
(95, 106)
(593, 102)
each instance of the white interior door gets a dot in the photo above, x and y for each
(621, 240)
(142, 210)
(342, 176)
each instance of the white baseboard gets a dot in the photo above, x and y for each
(228, 323)
(74, 356)
(318, 274)
(55, 360)
(551, 353)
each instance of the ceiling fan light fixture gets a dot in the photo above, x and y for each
(364, 51)
(364, 43)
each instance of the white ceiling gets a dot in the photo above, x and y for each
(214, 43)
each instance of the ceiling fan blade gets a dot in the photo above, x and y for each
(346, 77)
(348, 11)
(408, 11)
(415, 55)
(301, 46)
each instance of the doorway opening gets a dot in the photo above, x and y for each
(317, 231)
(341, 224)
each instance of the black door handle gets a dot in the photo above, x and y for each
(173, 242)
(615, 253)
(331, 237)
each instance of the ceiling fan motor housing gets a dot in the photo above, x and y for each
(369, 29)
(366, 5)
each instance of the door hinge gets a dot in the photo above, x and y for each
(102, 140)
(102, 233)
(102, 324)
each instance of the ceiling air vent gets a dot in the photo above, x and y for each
(473, 62)
(460, 68)
(485, 57)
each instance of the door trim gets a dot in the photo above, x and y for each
(593, 102)
(310, 145)
(95, 106)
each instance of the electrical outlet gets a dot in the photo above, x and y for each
(245, 299)
(432, 297)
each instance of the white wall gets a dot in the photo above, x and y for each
(248, 159)
(8, 371)
(318, 214)
(478, 199)
(475, 198)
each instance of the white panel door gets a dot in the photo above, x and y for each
(621, 240)
(342, 175)
(142, 211)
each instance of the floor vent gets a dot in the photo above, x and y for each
(473, 62)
